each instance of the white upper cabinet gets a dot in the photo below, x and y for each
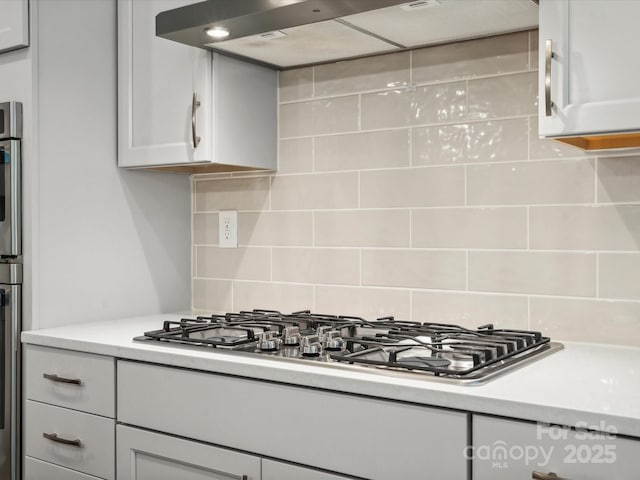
(588, 84)
(182, 106)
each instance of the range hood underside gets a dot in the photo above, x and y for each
(293, 33)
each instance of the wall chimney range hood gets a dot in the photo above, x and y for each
(285, 34)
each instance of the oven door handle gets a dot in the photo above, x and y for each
(55, 378)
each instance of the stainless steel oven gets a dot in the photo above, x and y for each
(10, 287)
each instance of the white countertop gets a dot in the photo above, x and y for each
(581, 385)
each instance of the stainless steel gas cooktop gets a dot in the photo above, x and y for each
(438, 351)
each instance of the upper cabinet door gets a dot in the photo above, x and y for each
(588, 57)
(14, 24)
(158, 81)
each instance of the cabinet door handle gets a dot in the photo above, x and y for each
(546, 476)
(56, 378)
(547, 77)
(195, 104)
(55, 438)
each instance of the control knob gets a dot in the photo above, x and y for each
(267, 342)
(311, 346)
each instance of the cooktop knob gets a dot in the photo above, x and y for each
(291, 336)
(267, 342)
(311, 346)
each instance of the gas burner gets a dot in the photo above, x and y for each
(436, 349)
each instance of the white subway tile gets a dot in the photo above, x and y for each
(619, 179)
(352, 76)
(317, 191)
(296, 84)
(619, 276)
(316, 117)
(308, 265)
(504, 96)
(414, 106)
(486, 56)
(469, 228)
(295, 155)
(416, 187)
(362, 228)
(232, 194)
(544, 273)
(470, 310)
(414, 269)
(275, 229)
(205, 229)
(234, 263)
(369, 303)
(212, 296)
(362, 151)
(585, 228)
(284, 297)
(494, 141)
(531, 183)
(598, 321)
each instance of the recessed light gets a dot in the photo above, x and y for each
(218, 32)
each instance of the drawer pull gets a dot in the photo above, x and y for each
(546, 476)
(55, 438)
(56, 378)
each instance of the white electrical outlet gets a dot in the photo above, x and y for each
(228, 228)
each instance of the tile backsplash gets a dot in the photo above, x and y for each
(414, 184)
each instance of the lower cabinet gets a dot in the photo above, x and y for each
(282, 471)
(35, 469)
(515, 450)
(330, 431)
(144, 455)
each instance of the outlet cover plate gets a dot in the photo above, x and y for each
(228, 228)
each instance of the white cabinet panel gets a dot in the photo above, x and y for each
(157, 79)
(96, 435)
(513, 450)
(146, 455)
(38, 470)
(233, 127)
(253, 416)
(593, 73)
(14, 24)
(282, 471)
(77, 380)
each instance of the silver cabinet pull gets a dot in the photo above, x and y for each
(195, 104)
(547, 77)
(546, 476)
(56, 378)
(55, 438)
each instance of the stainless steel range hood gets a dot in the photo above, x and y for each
(291, 33)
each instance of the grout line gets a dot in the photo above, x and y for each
(429, 249)
(411, 228)
(396, 88)
(522, 295)
(466, 268)
(597, 275)
(441, 166)
(528, 228)
(595, 180)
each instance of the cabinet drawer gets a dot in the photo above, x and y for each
(35, 469)
(95, 373)
(95, 455)
(305, 426)
(512, 450)
(281, 471)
